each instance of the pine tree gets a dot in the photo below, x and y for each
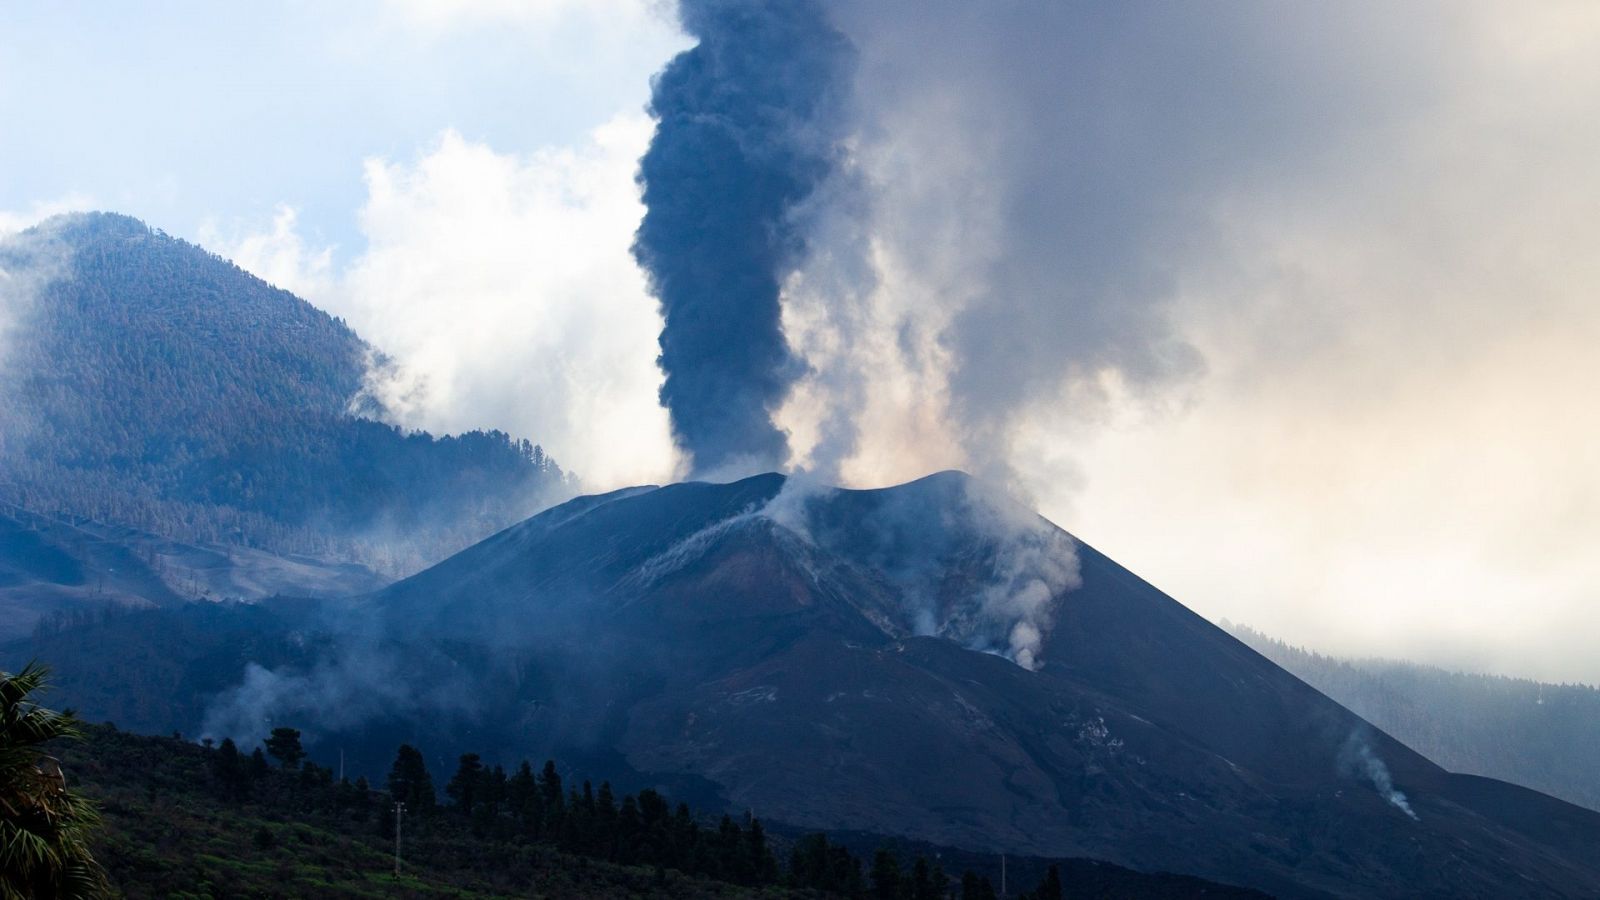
(227, 767)
(284, 745)
(464, 786)
(974, 887)
(550, 784)
(815, 863)
(409, 781)
(258, 768)
(1049, 886)
(525, 800)
(885, 875)
(923, 886)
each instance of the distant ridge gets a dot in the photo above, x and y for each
(1517, 729)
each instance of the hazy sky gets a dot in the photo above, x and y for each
(1291, 309)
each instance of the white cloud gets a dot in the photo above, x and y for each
(280, 256)
(13, 221)
(503, 286)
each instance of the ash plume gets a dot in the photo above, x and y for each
(749, 124)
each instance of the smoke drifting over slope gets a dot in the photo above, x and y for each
(750, 123)
(1357, 758)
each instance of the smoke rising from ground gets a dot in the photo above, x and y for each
(1357, 757)
(923, 537)
(340, 694)
(749, 124)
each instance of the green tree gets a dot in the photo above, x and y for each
(974, 887)
(284, 745)
(885, 875)
(1049, 886)
(258, 768)
(926, 883)
(44, 827)
(815, 863)
(227, 766)
(762, 864)
(525, 800)
(409, 781)
(550, 784)
(465, 785)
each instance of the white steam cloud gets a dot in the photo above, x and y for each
(1035, 568)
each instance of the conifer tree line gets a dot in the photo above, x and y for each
(539, 805)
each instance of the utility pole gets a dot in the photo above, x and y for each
(399, 813)
(1003, 892)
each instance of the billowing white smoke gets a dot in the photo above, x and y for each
(1035, 564)
(1031, 564)
(1357, 757)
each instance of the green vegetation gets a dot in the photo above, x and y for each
(155, 385)
(45, 827)
(1526, 732)
(186, 820)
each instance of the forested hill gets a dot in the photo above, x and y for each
(148, 382)
(1540, 735)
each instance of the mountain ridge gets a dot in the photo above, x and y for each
(147, 382)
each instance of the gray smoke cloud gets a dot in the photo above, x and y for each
(354, 685)
(1027, 186)
(749, 123)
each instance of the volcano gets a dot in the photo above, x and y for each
(937, 662)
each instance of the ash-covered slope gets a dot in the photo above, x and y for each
(54, 571)
(932, 661)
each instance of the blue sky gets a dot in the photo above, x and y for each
(1297, 301)
(188, 112)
